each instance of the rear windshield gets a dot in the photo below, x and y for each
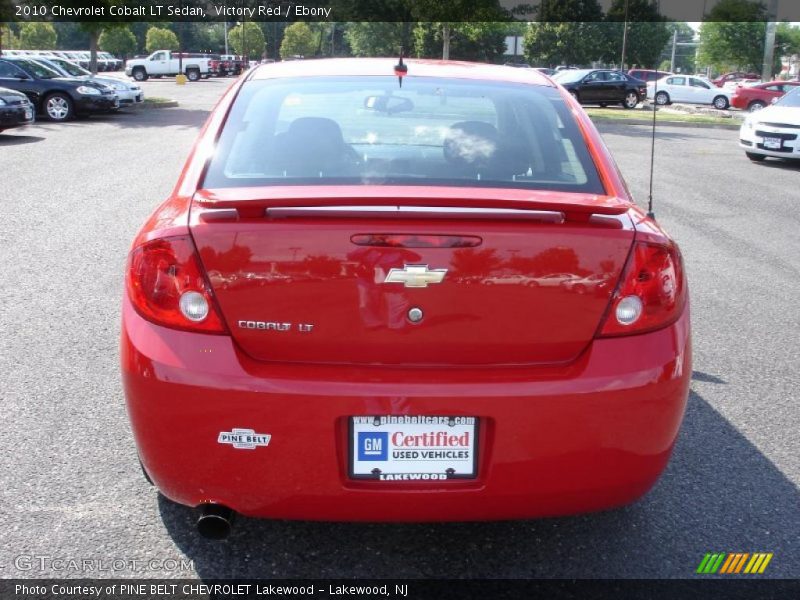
(368, 130)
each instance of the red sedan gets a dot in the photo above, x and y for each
(759, 96)
(332, 316)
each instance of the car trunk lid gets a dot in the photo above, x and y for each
(514, 279)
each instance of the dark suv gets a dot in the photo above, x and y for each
(56, 98)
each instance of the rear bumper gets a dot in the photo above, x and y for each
(593, 435)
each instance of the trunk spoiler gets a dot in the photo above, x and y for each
(273, 200)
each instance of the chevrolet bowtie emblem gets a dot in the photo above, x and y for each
(415, 276)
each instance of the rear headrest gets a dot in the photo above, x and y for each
(470, 143)
(317, 128)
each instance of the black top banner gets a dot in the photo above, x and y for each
(398, 10)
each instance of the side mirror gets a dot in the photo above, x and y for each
(22, 76)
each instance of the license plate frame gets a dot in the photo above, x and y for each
(772, 143)
(463, 461)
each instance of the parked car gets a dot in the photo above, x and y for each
(687, 89)
(602, 86)
(15, 109)
(761, 95)
(648, 74)
(127, 92)
(547, 71)
(734, 76)
(165, 62)
(773, 131)
(406, 395)
(57, 98)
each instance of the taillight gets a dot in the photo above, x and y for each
(166, 286)
(651, 294)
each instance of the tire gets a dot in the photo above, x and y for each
(58, 107)
(756, 105)
(192, 74)
(755, 157)
(662, 98)
(631, 100)
(139, 74)
(721, 103)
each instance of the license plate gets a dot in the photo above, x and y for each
(116, 103)
(771, 142)
(413, 448)
(28, 114)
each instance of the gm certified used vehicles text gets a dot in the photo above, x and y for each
(435, 301)
(15, 109)
(57, 98)
(773, 131)
(602, 86)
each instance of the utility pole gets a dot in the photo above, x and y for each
(624, 39)
(769, 41)
(672, 58)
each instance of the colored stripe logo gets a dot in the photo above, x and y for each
(732, 563)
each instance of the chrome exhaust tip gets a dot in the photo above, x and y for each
(215, 521)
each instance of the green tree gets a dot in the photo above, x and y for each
(37, 35)
(7, 38)
(565, 32)
(474, 41)
(118, 40)
(299, 40)
(378, 38)
(247, 39)
(160, 39)
(646, 36)
(733, 35)
(684, 55)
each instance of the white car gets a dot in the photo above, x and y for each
(774, 130)
(688, 90)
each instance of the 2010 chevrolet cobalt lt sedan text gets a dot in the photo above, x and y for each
(402, 292)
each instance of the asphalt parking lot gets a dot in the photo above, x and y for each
(73, 196)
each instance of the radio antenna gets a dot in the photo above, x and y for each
(650, 212)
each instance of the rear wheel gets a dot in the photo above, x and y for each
(662, 98)
(755, 157)
(139, 74)
(631, 100)
(192, 74)
(58, 107)
(721, 102)
(756, 105)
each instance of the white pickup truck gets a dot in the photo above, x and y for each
(164, 62)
